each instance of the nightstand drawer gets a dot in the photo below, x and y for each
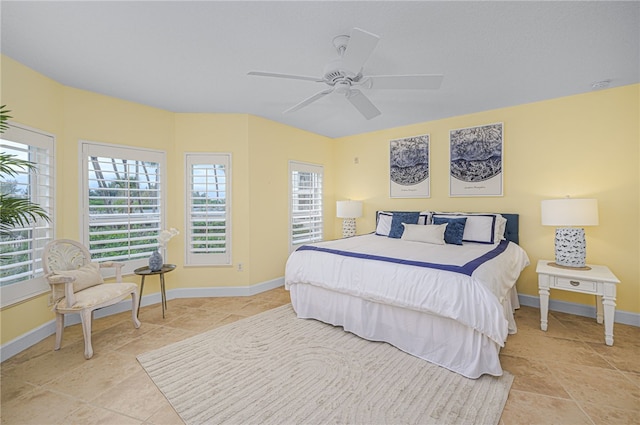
(576, 284)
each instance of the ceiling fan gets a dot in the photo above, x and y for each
(344, 75)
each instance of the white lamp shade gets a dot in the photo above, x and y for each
(349, 209)
(570, 212)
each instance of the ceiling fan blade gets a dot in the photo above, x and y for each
(360, 46)
(278, 75)
(403, 82)
(308, 100)
(362, 104)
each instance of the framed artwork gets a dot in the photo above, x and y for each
(409, 167)
(475, 161)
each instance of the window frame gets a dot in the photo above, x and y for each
(23, 290)
(208, 259)
(88, 148)
(301, 166)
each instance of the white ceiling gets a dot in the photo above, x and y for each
(186, 56)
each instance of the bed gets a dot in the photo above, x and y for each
(448, 302)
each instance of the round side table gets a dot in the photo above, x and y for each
(146, 271)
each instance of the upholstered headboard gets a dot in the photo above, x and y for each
(513, 225)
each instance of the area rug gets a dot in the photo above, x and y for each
(274, 368)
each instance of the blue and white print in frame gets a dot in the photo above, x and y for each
(476, 161)
(409, 167)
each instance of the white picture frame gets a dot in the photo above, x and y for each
(409, 167)
(476, 161)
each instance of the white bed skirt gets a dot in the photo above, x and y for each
(437, 339)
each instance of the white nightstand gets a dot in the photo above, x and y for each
(598, 281)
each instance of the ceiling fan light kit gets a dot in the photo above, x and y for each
(345, 72)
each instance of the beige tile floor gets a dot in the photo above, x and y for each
(564, 376)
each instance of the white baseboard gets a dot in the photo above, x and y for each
(36, 335)
(624, 317)
(223, 291)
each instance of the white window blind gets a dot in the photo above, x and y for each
(305, 201)
(208, 202)
(123, 202)
(21, 275)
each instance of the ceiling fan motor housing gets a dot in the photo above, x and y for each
(334, 72)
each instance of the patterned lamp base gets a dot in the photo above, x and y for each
(571, 248)
(348, 227)
(155, 261)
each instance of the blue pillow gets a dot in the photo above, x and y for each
(455, 229)
(402, 217)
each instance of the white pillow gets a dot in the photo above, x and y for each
(425, 217)
(480, 228)
(501, 228)
(384, 219)
(86, 277)
(383, 227)
(429, 233)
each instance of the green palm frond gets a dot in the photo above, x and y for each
(3, 118)
(9, 164)
(18, 212)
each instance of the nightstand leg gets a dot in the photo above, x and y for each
(543, 286)
(609, 306)
(609, 312)
(599, 309)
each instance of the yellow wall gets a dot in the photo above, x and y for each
(583, 146)
(271, 147)
(72, 115)
(35, 101)
(224, 133)
(260, 152)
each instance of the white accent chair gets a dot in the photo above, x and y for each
(78, 287)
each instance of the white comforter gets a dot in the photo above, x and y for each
(472, 300)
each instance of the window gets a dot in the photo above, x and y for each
(123, 202)
(305, 201)
(208, 202)
(21, 275)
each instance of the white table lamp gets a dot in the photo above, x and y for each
(569, 215)
(349, 211)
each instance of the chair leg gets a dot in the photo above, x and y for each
(135, 301)
(59, 330)
(86, 317)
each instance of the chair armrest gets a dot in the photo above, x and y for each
(118, 267)
(55, 279)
